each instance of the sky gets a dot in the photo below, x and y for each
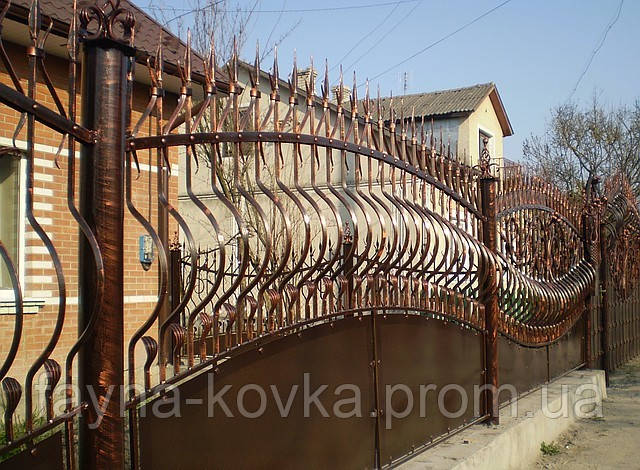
(536, 52)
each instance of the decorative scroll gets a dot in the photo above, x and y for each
(107, 20)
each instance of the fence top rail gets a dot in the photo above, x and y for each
(173, 140)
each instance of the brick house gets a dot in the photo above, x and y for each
(35, 267)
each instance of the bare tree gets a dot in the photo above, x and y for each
(583, 142)
(226, 24)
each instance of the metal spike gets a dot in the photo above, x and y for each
(254, 75)
(340, 88)
(379, 106)
(159, 63)
(35, 21)
(310, 84)
(403, 127)
(367, 99)
(187, 57)
(354, 94)
(73, 31)
(212, 60)
(235, 59)
(274, 70)
(432, 142)
(293, 81)
(413, 124)
(325, 87)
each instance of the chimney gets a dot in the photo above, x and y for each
(303, 78)
(346, 93)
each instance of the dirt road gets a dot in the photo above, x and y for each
(610, 442)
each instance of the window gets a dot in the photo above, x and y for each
(481, 136)
(9, 214)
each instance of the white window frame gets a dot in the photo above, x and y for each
(492, 142)
(7, 294)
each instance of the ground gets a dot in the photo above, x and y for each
(610, 442)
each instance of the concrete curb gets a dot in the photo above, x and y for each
(515, 443)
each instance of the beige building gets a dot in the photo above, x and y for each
(462, 116)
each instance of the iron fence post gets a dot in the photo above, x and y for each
(604, 302)
(590, 237)
(101, 367)
(489, 292)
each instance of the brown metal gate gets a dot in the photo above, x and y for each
(346, 244)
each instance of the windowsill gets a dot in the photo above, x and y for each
(29, 306)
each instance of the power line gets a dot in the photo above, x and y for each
(444, 38)
(382, 38)
(597, 49)
(275, 25)
(293, 10)
(366, 36)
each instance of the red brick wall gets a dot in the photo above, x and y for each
(50, 208)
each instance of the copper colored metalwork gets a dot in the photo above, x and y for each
(489, 291)
(325, 229)
(102, 205)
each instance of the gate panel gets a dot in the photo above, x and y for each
(522, 367)
(417, 351)
(332, 354)
(45, 455)
(568, 352)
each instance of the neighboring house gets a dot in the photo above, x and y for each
(35, 267)
(462, 116)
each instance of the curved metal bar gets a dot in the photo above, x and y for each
(172, 140)
(82, 224)
(220, 242)
(34, 29)
(163, 282)
(17, 324)
(162, 197)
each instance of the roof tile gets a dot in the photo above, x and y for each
(437, 103)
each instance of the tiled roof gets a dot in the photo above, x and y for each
(147, 32)
(458, 101)
(438, 103)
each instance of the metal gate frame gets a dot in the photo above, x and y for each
(520, 256)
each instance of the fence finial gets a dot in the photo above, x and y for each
(105, 15)
(274, 72)
(254, 75)
(485, 158)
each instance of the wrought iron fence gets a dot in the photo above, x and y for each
(330, 237)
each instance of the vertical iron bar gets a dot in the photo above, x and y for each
(175, 289)
(588, 225)
(163, 232)
(175, 268)
(604, 302)
(490, 295)
(102, 205)
(347, 266)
